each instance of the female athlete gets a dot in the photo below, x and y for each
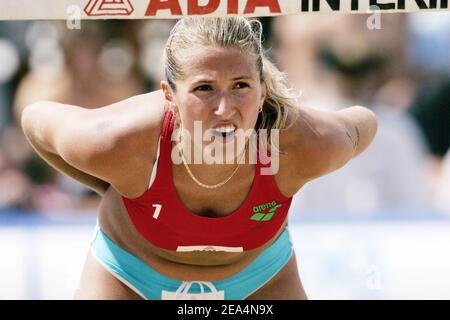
(173, 224)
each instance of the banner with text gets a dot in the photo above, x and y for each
(167, 9)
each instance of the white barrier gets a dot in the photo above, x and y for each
(337, 260)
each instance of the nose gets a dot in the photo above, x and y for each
(225, 107)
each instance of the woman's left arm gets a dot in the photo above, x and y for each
(321, 141)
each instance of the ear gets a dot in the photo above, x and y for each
(263, 92)
(168, 95)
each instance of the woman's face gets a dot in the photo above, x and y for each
(221, 88)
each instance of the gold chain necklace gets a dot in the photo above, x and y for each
(201, 184)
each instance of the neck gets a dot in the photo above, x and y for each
(212, 170)
(216, 173)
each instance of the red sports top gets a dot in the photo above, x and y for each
(161, 218)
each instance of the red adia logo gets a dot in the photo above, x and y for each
(109, 8)
(193, 7)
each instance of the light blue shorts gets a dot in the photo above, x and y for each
(152, 285)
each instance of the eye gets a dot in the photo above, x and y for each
(204, 87)
(242, 85)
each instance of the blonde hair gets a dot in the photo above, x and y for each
(245, 35)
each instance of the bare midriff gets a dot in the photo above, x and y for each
(188, 266)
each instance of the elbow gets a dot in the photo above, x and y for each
(370, 121)
(26, 118)
(368, 129)
(32, 123)
(372, 124)
(29, 112)
(375, 126)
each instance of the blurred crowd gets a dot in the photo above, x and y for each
(401, 72)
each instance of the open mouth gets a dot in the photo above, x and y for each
(224, 131)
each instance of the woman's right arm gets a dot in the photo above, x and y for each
(70, 139)
(113, 145)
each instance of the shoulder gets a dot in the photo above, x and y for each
(132, 115)
(311, 144)
(126, 138)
